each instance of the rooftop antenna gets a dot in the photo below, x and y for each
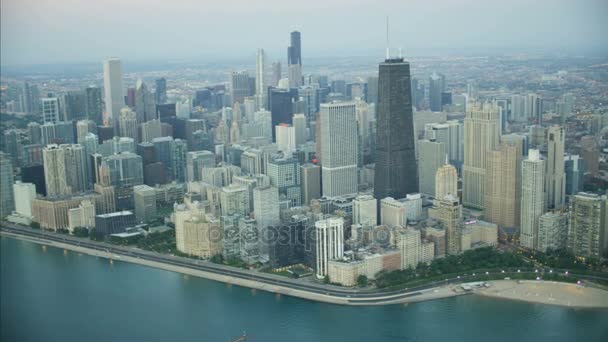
(400, 55)
(387, 48)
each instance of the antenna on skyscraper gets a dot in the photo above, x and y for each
(400, 55)
(388, 56)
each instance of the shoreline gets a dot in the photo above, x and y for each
(439, 292)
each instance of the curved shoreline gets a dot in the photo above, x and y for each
(439, 292)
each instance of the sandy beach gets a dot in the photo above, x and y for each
(547, 292)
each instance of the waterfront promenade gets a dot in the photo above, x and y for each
(241, 277)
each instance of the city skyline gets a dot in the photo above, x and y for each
(581, 28)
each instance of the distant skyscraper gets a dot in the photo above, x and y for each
(281, 105)
(339, 149)
(330, 242)
(276, 73)
(286, 139)
(144, 103)
(50, 110)
(446, 181)
(574, 168)
(160, 94)
(481, 126)
(555, 179)
(396, 172)
(261, 90)
(436, 87)
(112, 82)
(294, 60)
(239, 86)
(532, 198)
(127, 124)
(299, 125)
(431, 155)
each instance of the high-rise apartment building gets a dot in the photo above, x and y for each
(261, 90)
(396, 171)
(64, 169)
(532, 198)
(587, 233)
(552, 231)
(329, 242)
(503, 184)
(50, 110)
(482, 135)
(555, 178)
(7, 202)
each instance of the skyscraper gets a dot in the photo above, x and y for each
(555, 179)
(127, 124)
(330, 242)
(532, 198)
(294, 60)
(112, 83)
(396, 172)
(311, 182)
(502, 188)
(266, 212)
(239, 86)
(339, 149)
(276, 73)
(144, 103)
(50, 110)
(587, 234)
(160, 93)
(431, 155)
(481, 126)
(436, 87)
(7, 202)
(261, 91)
(446, 181)
(64, 169)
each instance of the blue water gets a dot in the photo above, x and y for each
(55, 296)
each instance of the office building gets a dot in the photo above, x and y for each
(50, 110)
(114, 223)
(261, 90)
(24, 194)
(145, 202)
(160, 93)
(64, 169)
(448, 211)
(127, 124)
(311, 182)
(112, 84)
(294, 60)
(532, 198)
(436, 88)
(482, 135)
(82, 216)
(145, 108)
(574, 169)
(339, 149)
(285, 175)
(396, 171)
(431, 156)
(365, 208)
(446, 181)
(266, 212)
(286, 139)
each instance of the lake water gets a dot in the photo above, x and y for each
(52, 295)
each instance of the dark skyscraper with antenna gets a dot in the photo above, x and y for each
(396, 172)
(294, 51)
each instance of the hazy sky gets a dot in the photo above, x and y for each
(52, 31)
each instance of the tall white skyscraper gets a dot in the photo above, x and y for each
(260, 79)
(532, 198)
(112, 82)
(555, 179)
(339, 148)
(482, 135)
(330, 242)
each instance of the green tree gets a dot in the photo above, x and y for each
(35, 225)
(326, 279)
(362, 280)
(81, 232)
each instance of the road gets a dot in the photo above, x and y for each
(369, 296)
